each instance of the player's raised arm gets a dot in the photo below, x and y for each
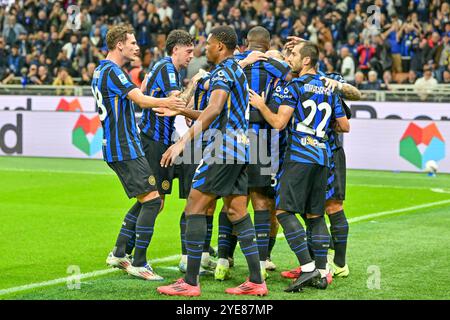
(347, 91)
(276, 120)
(144, 101)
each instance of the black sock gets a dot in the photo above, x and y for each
(272, 241)
(262, 230)
(225, 230)
(209, 230)
(246, 237)
(195, 239)
(125, 239)
(309, 238)
(320, 241)
(233, 244)
(183, 233)
(339, 232)
(144, 230)
(295, 236)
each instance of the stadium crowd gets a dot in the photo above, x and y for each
(407, 43)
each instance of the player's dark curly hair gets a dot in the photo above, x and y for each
(226, 35)
(310, 50)
(178, 37)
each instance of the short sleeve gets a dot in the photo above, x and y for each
(339, 111)
(290, 95)
(167, 79)
(202, 81)
(221, 79)
(278, 69)
(121, 82)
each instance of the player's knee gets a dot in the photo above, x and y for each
(148, 196)
(259, 200)
(333, 206)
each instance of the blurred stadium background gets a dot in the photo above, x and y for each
(60, 206)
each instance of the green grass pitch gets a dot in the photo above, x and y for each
(57, 213)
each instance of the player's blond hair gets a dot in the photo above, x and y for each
(117, 34)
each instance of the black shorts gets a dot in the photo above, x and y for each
(259, 168)
(185, 176)
(135, 175)
(337, 176)
(301, 188)
(153, 153)
(221, 179)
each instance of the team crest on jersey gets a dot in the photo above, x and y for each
(123, 79)
(152, 180)
(165, 185)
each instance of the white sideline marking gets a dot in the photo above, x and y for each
(175, 257)
(81, 276)
(58, 171)
(439, 190)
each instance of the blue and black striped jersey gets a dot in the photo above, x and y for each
(110, 87)
(231, 125)
(201, 98)
(201, 95)
(163, 78)
(314, 106)
(278, 141)
(261, 76)
(334, 138)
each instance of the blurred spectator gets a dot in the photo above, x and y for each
(136, 72)
(442, 57)
(372, 83)
(446, 77)
(285, 24)
(387, 80)
(424, 84)
(44, 76)
(392, 36)
(411, 79)
(165, 11)
(359, 80)
(15, 61)
(87, 73)
(54, 47)
(365, 52)
(199, 60)
(63, 79)
(348, 65)
(71, 48)
(12, 29)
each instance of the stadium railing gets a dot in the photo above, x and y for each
(396, 92)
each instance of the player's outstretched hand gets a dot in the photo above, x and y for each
(165, 112)
(256, 100)
(255, 56)
(292, 42)
(168, 158)
(172, 102)
(331, 84)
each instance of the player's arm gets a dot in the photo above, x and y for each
(347, 91)
(253, 57)
(144, 101)
(342, 125)
(122, 86)
(276, 120)
(216, 103)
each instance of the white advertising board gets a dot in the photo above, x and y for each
(402, 145)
